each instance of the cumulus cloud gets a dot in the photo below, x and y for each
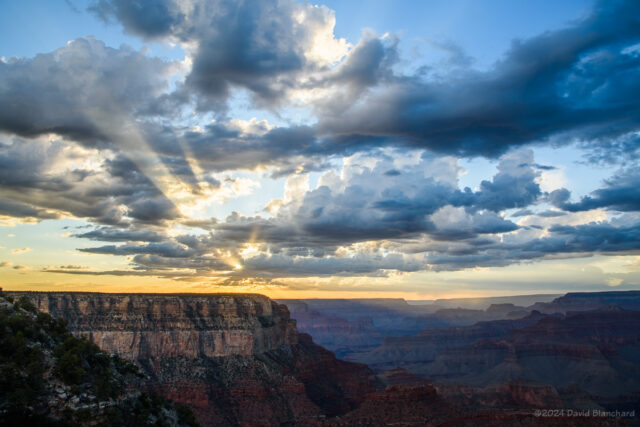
(68, 91)
(265, 47)
(49, 178)
(620, 193)
(542, 89)
(360, 220)
(126, 141)
(284, 53)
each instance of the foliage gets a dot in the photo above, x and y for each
(148, 409)
(33, 343)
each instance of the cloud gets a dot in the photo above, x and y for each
(357, 220)
(619, 235)
(451, 252)
(131, 143)
(21, 210)
(575, 83)
(167, 249)
(110, 234)
(522, 212)
(560, 241)
(286, 55)
(166, 274)
(550, 213)
(621, 193)
(360, 264)
(48, 178)
(68, 91)
(20, 251)
(146, 19)
(542, 90)
(264, 47)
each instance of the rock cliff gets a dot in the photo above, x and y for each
(236, 360)
(50, 378)
(145, 326)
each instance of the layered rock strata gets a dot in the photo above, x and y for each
(236, 360)
(144, 326)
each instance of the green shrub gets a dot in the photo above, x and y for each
(186, 415)
(69, 369)
(25, 304)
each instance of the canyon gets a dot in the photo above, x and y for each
(234, 359)
(580, 350)
(347, 326)
(241, 359)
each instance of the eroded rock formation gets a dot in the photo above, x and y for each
(145, 326)
(235, 359)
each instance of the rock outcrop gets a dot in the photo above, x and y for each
(50, 378)
(145, 326)
(234, 359)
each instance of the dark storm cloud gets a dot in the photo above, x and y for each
(573, 83)
(576, 83)
(147, 19)
(71, 90)
(621, 193)
(256, 45)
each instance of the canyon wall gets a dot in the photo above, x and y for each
(236, 360)
(145, 326)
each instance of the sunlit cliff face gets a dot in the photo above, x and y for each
(261, 146)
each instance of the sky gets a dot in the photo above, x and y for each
(416, 149)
